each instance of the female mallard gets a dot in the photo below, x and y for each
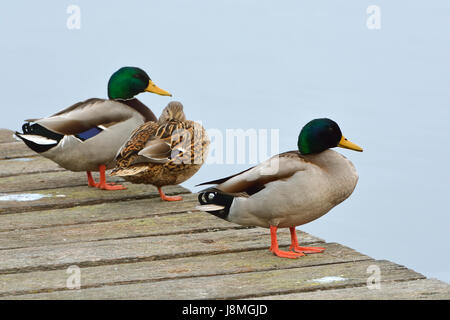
(290, 189)
(164, 152)
(87, 135)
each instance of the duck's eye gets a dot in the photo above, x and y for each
(138, 76)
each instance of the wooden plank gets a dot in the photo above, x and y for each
(111, 211)
(83, 195)
(424, 289)
(6, 135)
(139, 249)
(208, 265)
(15, 149)
(18, 166)
(120, 229)
(242, 285)
(48, 180)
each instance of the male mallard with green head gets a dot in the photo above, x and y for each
(164, 152)
(87, 135)
(289, 189)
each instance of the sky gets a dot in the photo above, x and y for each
(267, 65)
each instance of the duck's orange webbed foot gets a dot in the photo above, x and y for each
(296, 248)
(276, 251)
(110, 186)
(168, 198)
(286, 254)
(307, 249)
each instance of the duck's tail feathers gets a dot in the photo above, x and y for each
(216, 202)
(38, 138)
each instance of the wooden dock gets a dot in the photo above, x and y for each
(130, 245)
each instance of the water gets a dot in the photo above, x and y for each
(271, 65)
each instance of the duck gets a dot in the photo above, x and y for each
(289, 189)
(87, 135)
(164, 152)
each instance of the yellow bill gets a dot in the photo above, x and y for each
(344, 143)
(155, 89)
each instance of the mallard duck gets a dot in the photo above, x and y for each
(289, 189)
(87, 135)
(164, 152)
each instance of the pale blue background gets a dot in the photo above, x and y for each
(271, 64)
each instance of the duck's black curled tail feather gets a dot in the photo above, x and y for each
(216, 202)
(38, 130)
(33, 132)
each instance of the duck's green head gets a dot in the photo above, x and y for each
(127, 82)
(321, 134)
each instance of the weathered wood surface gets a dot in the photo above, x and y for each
(15, 149)
(6, 135)
(23, 165)
(160, 270)
(242, 285)
(104, 212)
(423, 289)
(48, 180)
(149, 226)
(82, 195)
(130, 245)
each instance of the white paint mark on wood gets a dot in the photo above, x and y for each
(329, 279)
(23, 196)
(20, 159)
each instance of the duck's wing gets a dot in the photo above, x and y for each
(157, 142)
(137, 141)
(87, 115)
(156, 150)
(254, 179)
(145, 146)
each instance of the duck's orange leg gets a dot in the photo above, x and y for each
(295, 247)
(102, 183)
(91, 181)
(168, 198)
(274, 246)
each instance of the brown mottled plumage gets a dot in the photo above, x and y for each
(166, 152)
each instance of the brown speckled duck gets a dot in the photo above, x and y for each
(164, 152)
